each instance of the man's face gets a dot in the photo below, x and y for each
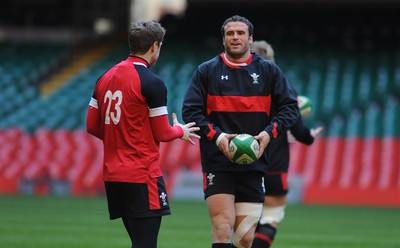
(237, 40)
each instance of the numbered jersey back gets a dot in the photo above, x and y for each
(128, 95)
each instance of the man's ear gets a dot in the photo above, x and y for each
(154, 46)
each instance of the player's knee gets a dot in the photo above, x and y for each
(271, 215)
(246, 241)
(223, 231)
(244, 233)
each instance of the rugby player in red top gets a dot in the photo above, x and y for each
(128, 111)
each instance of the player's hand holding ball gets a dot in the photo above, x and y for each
(244, 149)
(263, 139)
(223, 144)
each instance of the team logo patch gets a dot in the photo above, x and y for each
(255, 78)
(163, 198)
(210, 179)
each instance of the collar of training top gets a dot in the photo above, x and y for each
(234, 64)
(138, 61)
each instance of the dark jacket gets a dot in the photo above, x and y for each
(229, 98)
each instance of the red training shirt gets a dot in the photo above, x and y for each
(124, 101)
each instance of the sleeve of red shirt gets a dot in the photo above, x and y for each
(163, 131)
(93, 122)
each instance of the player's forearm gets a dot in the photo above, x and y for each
(163, 131)
(301, 132)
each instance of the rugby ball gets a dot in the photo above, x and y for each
(244, 149)
(305, 105)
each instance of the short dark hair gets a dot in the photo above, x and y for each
(237, 18)
(143, 34)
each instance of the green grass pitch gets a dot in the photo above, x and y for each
(64, 222)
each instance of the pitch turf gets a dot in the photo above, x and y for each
(44, 222)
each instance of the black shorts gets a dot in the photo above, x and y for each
(245, 186)
(137, 200)
(276, 183)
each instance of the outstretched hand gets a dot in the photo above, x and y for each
(315, 132)
(188, 129)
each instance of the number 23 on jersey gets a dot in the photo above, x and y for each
(115, 113)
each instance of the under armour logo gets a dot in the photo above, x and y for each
(224, 77)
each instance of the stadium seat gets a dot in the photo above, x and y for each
(313, 162)
(391, 117)
(298, 154)
(383, 81)
(313, 90)
(193, 157)
(365, 86)
(331, 88)
(93, 178)
(63, 154)
(389, 164)
(370, 158)
(355, 124)
(337, 126)
(351, 162)
(332, 163)
(373, 121)
(348, 89)
(83, 155)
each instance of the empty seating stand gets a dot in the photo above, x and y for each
(356, 98)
